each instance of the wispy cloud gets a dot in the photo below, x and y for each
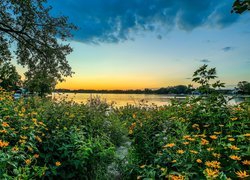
(119, 20)
(205, 61)
(228, 48)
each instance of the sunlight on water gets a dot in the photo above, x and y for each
(124, 99)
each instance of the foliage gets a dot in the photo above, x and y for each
(40, 138)
(28, 26)
(9, 78)
(241, 6)
(243, 87)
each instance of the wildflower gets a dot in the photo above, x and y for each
(58, 163)
(221, 125)
(186, 136)
(25, 127)
(194, 152)
(22, 141)
(234, 148)
(30, 149)
(204, 141)
(176, 177)
(206, 125)
(234, 119)
(174, 161)
(163, 169)
(23, 137)
(130, 131)
(142, 166)
(231, 139)
(139, 177)
(180, 151)
(202, 135)
(213, 164)
(5, 124)
(217, 133)
(210, 149)
(216, 155)
(242, 174)
(169, 145)
(246, 135)
(3, 131)
(27, 161)
(234, 157)
(23, 109)
(36, 156)
(185, 143)
(246, 162)
(195, 126)
(38, 139)
(4, 143)
(213, 137)
(198, 160)
(191, 139)
(21, 114)
(211, 173)
(134, 116)
(15, 149)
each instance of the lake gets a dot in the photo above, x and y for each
(124, 99)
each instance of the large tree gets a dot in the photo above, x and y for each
(28, 30)
(241, 6)
(9, 78)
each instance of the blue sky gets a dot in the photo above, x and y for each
(138, 44)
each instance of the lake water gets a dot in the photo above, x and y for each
(124, 99)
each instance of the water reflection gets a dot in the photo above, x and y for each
(124, 99)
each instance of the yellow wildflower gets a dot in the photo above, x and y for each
(233, 147)
(204, 141)
(191, 139)
(30, 149)
(27, 161)
(21, 114)
(213, 137)
(163, 169)
(4, 143)
(180, 151)
(216, 155)
(246, 135)
(194, 152)
(210, 149)
(38, 139)
(23, 137)
(174, 161)
(234, 119)
(246, 162)
(213, 164)
(134, 115)
(211, 173)
(217, 133)
(185, 143)
(231, 139)
(186, 136)
(5, 124)
(15, 149)
(36, 156)
(235, 157)
(198, 160)
(206, 125)
(142, 166)
(58, 163)
(3, 131)
(242, 174)
(221, 125)
(195, 126)
(169, 145)
(176, 177)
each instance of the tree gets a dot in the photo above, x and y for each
(241, 6)
(9, 78)
(203, 76)
(244, 87)
(38, 39)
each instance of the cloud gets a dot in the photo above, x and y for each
(205, 61)
(120, 20)
(228, 48)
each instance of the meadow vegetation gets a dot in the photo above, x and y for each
(199, 138)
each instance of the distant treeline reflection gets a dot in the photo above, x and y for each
(180, 89)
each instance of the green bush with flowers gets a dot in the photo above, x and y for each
(198, 138)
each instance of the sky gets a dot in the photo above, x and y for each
(137, 44)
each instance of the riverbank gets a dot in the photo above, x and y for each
(198, 138)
